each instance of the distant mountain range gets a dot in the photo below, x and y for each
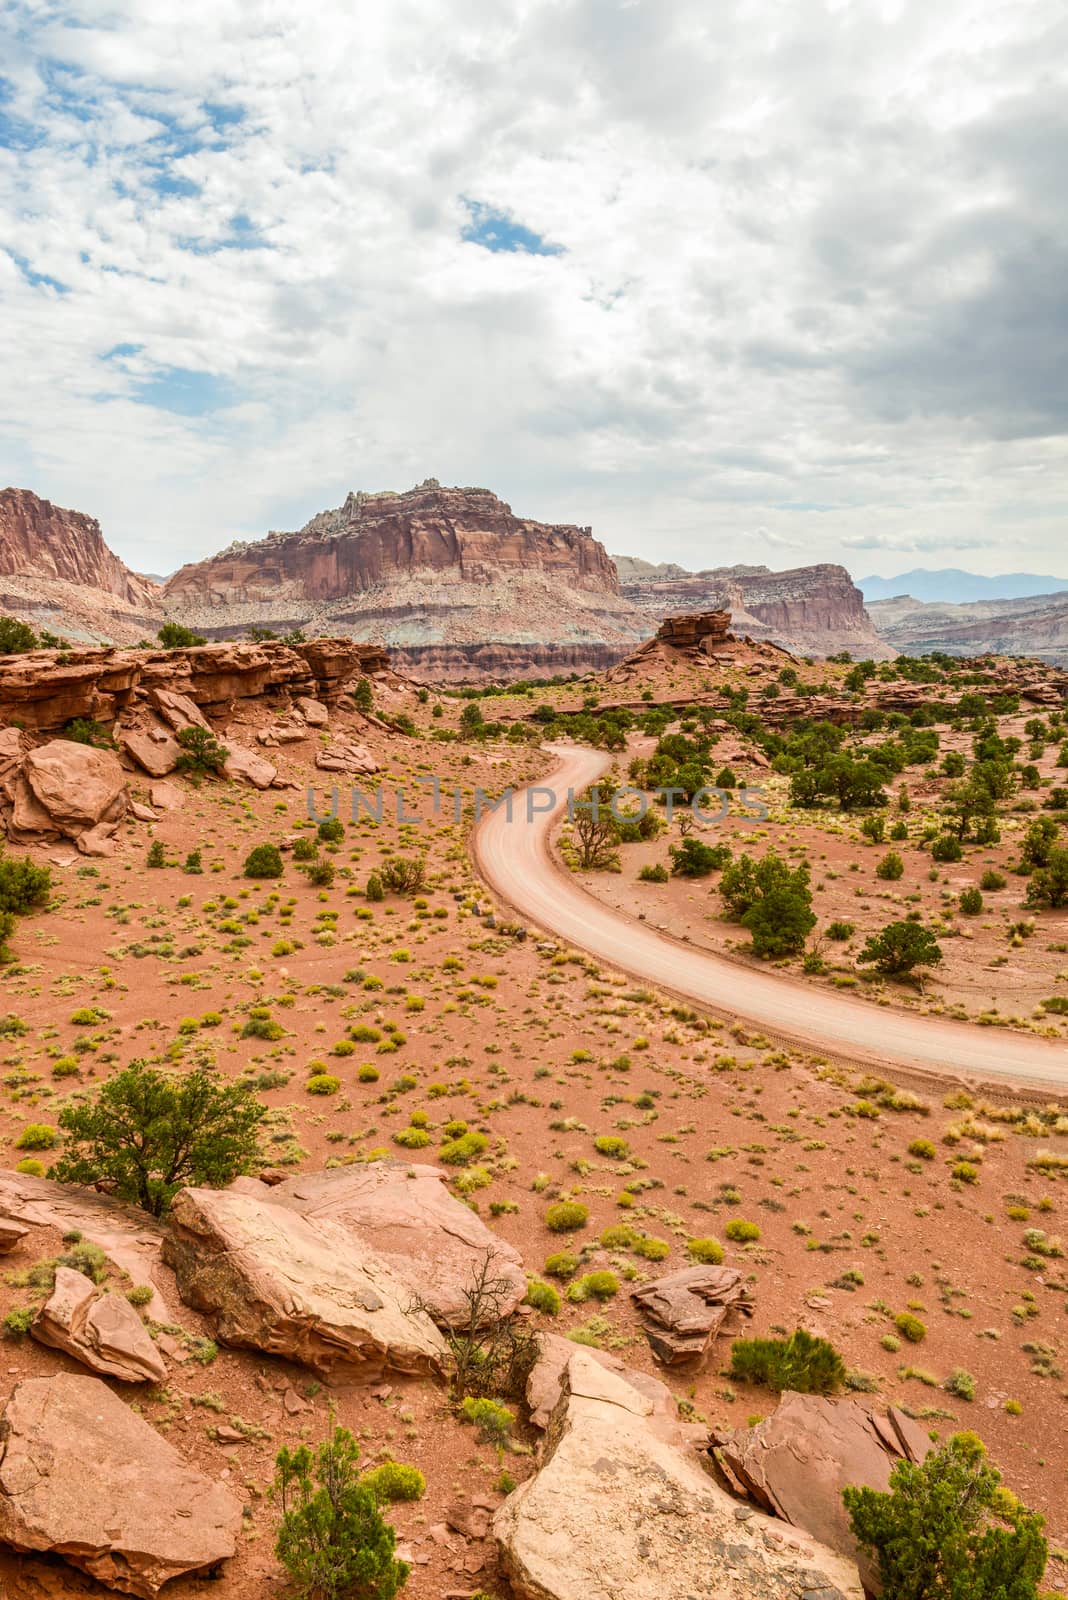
(952, 586)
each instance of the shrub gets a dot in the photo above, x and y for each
(891, 867)
(23, 885)
(157, 856)
(709, 1251)
(149, 1134)
(412, 1138)
(607, 1144)
(992, 880)
(801, 1362)
(965, 1172)
(463, 1149)
(403, 875)
(944, 1530)
(971, 902)
(841, 931)
(601, 1285)
(374, 890)
(36, 1136)
(899, 948)
(86, 730)
(923, 1149)
(193, 863)
(322, 1083)
(32, 1168)
(16, 1324)
(695, 859)
(140, 1294)
(910, 1327)
(493, 1421)
(394, 1481)
(332, 1540)
(332, 830)
(542, 1296)
(172, 636)
(562, 1265)
(16, 637)
(740, 1232)
(264, 861)
(566, 1216)
(305, 848)
(946, 848)
(960, 1383)
(654, 874)
(320, 874)
(201, 753)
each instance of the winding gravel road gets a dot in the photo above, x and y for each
(515, 859)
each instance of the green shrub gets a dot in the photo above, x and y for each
(946, 848)
(801, 1362)
(412, 1138)
(740, 1232)
(394, 1481)
(971, 902)
(140, 1294)
(542, 1296)
(36, 1136)
(23, 885)
(493, 1421)
(961, 1384)
(16, 1324)
(265, 861)
(458, 1152)
(910, 1327)
(607, 1144)
(654, 874)
(566, 1216)
(923, 1149)
(305, 849)
(891, 867)
(375, 890)
(562, 1265)
(600, 1285)
(332, 1540)
(332, 830)
(201, 753)
(157, 856)
(32, 1168)
(709, 1251)
(841, 931)
(173, 636)
(16, 637)
(992, 880)
(322, 1083)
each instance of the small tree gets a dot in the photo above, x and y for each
(23, 885)
(149, 1134)
(1049, 885)
(333, 1541)
(201, 751)
(264, 861)
(172, 636)
(402, 875)
(363, 696)
(945, 1532)
(772, 900)
(16, 637)
(900, 948)
(596, 839)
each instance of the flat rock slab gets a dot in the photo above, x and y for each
(248, 767)
(83, 1477)
(102, 1331)
(156, 755)
(684, 1311)
(129, 1238)
(342, 756)
(406, 1215)
(274, 1280)
(621, 1511)
(796, 1462)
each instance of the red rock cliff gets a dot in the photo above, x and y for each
(40, 540)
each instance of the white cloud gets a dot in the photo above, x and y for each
(807, 288)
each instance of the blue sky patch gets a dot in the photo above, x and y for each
(33, 276)
(182, 390)
(496, 231)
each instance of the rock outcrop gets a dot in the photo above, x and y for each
(1036, 627)
(432, 570)
(434, 1244)
(814, 610)
(796, 1462)
(101, 1330)
(56, 572)
(621, 1510)
(685, 1310)
(70, 791)
(274, 1280)
(83, 1477)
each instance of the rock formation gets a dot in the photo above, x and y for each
(57, 573)
(814, 610)
(796, 1462)
(70, 791)
(274, 1280)
(438, 574)
(405, 1214)
(83, 1477)
(684, 1311)
(1036, 627)
(101, 1330)
(621, 1506)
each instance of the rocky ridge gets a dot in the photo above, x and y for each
(1036, 626)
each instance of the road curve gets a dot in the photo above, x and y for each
(515, 859)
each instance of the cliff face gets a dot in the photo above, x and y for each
(1035, 627)
(449, 579)
(815, 610)
(40, 540)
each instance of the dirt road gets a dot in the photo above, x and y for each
(515, 860)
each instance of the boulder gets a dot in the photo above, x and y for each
(245, 765)
(70, 789)
(796, 1462)
(177, 710)
(404, 1213)
(684, 1311)
(154, 751)
(165, 796)
(621, 1510)
(274, 1280)
(83, 1477)
(314, 712)
(343, 756)
(102, 1331)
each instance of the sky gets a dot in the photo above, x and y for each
(731, 281)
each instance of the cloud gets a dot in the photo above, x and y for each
(673, 270)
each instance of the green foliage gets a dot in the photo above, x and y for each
(739, 1231)
(305, 848)
(493, 1421)
(394, 1481)
(1049, 884)
(23, 885)
(802, 1362)
(17, 1323)
(86, 730)
(562, 1265)
(332, 830)
(149, 1134)
(362, 695)
(322, 1083)
(654, 874)
(566, 1216)
(157, 856)
(910, 1327)
(890, 868)
(708, 1251)
(971, 902)
(264, 861)
(899, 948)
(375, 890)
(332, 1540)
(463, 1149)
(542, 1296)
(695, 859)
(320, 874)
(193, 864)
(201, 753)
(1038, 843)
(36, 1136)
(992, 880)
(945, 1532)
(946, 848)
(772, 900)
(16, 637)
(402, 875)
(172, 636)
